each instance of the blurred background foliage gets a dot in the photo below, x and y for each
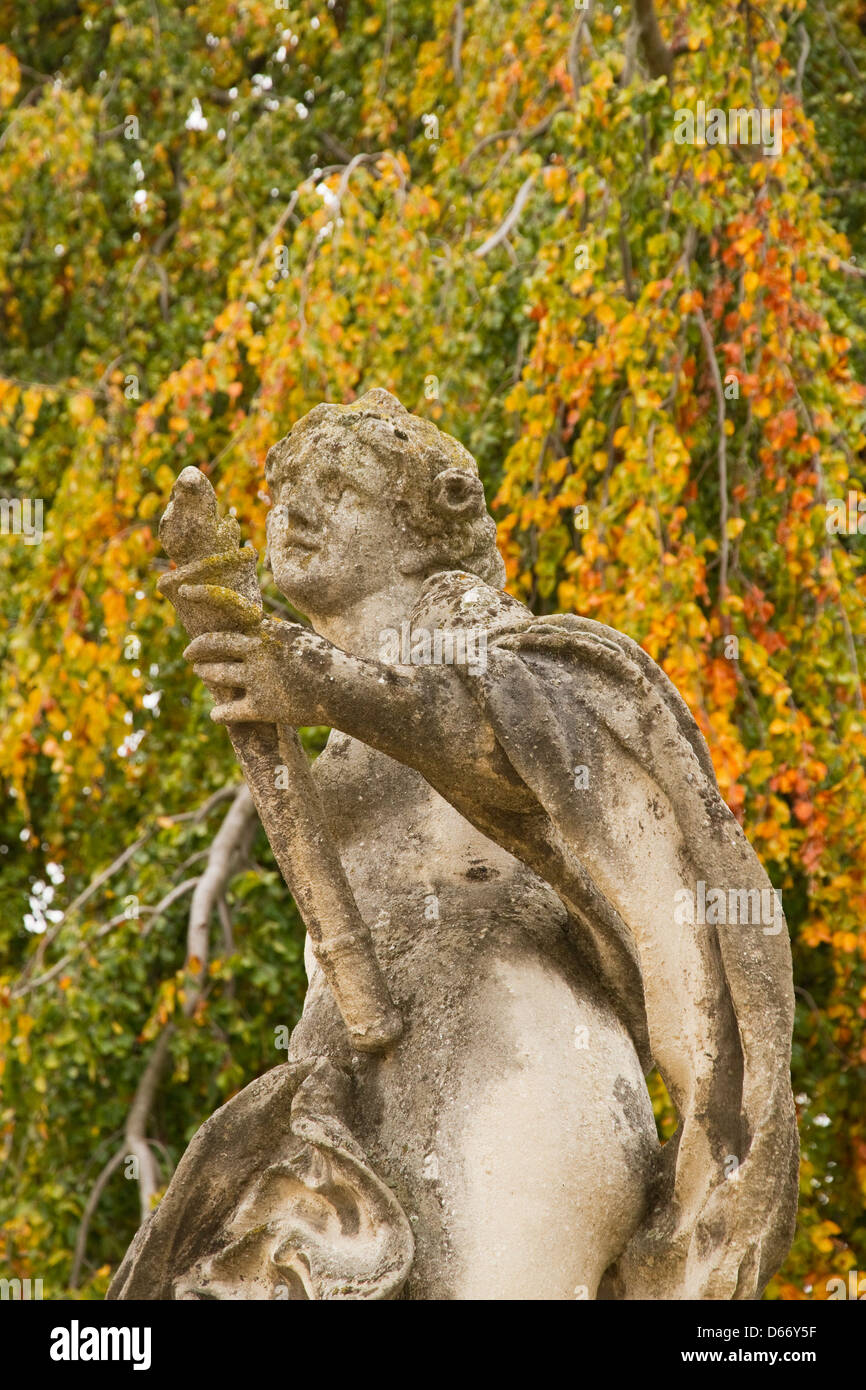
(215, 215)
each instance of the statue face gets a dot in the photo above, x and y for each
(332, 538)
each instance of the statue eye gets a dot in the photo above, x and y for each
(333, 487)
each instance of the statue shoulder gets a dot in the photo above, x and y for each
(458, 599)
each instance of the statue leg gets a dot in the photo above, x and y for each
(552, 1149)
(541, 1151)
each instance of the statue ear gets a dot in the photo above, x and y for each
(457, 493)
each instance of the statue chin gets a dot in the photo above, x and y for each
(304, 580)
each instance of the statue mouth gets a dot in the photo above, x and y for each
(293, 541)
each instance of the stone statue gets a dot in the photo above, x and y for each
(522, 890)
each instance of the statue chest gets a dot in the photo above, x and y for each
(388, 821)
(424, 878)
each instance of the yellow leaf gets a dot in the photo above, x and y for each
(81, 409)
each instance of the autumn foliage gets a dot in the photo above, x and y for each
(655, 350)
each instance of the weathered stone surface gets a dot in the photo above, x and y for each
(526, 816)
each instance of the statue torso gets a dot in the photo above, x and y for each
(507, 1039)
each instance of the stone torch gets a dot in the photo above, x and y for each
(215, 589)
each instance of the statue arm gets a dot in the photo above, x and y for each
(422, 716)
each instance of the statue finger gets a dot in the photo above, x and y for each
(219, 646)
(235, 712)
(232, 674)
(226, 602)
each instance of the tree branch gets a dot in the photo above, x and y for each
(805, 45)
(844, 52)
(513, 216)
(457, 44)
(659, 58)
(48, 939)
(152, 912)
(532, 134)
(719, 389)
(87, 1215)
(572, 60)
(135, 1134)
(826, 550)
(231, 840)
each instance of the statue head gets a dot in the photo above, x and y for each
(368, 495)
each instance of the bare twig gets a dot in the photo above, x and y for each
(135, 1135)
(534, 133)
(719, 389)
(805, 45)
(275, 231)
(457, 44)
(493, 138)
(225, 917)
(847, 267)
(827, 553)
(575, 71)
(844, 51)
(335, 146)
(152, 912)
(386, 54)
(632, 40)
(233, 837)
(87, 1215)
(625, 256)
(231, 841)
(199, 813)
(513, 216)
(93, 887)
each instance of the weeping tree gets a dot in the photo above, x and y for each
(536, 223)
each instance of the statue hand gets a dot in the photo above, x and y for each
(253, 672)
